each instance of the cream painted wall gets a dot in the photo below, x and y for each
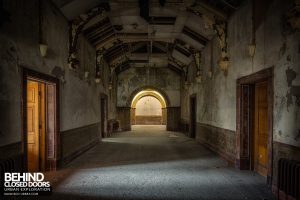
(148, 106)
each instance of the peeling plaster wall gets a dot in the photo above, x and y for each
(276, 45)
(19, 46)
(134, 78)
(112, 94)
(282, 51)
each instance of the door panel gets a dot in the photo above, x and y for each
(33, 125)
(261, 128)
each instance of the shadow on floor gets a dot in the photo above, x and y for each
(156, 165)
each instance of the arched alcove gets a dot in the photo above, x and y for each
(153, 97)
(159, 91)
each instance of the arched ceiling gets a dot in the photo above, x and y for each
(158, 33)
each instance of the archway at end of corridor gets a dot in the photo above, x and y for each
(148, 107)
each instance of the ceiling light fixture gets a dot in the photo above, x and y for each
(224, 62)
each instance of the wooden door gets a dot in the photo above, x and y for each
(33, 125)
(261, 128)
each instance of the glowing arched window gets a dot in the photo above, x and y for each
(148, 106)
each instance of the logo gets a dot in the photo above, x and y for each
(25, 184)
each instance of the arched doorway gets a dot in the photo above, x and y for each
(148, 107)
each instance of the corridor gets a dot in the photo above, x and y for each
(151, 163)
(150, 99)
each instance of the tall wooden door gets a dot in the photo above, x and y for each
(261, 128)
(33, 111)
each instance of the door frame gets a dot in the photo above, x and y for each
(193, 97)
(27, 74)
(244, 117)
(104, 97)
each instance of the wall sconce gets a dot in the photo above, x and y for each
(110, 86)
(198, 77)
(97, 80)
(98, 77)
(86, 74)
(43, 49)
(210, 74)
(224, 64)
(251, 49)
(73, 61)
(63, 80)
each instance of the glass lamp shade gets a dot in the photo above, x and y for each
(97, 80)
(251, 48)
(199, 79)
(209, 73)
(110, 86)
(224, 64)
(43, 49)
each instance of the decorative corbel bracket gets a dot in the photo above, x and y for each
(185, 70)
(75, 28)
(197, 57)
(221, 29)
(99, 63)
(219, 25)
(112, 70)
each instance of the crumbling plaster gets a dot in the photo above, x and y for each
(134, 78)
(276, 46)
(19, 47)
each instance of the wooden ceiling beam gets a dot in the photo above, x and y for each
(194, 35)
(221, 14)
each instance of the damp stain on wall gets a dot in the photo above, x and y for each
(134, 78)
(282, 50)
(294, 90)
(290, 76)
